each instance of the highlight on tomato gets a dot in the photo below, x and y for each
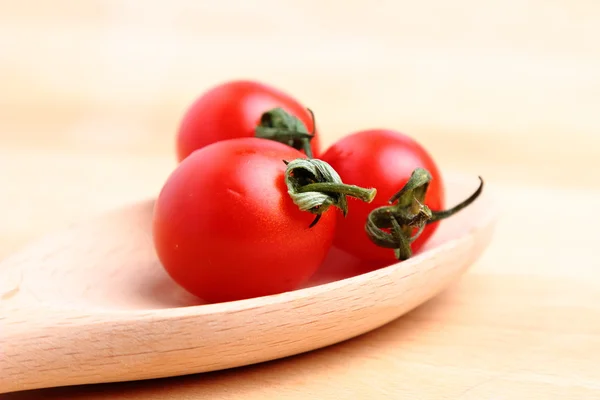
(410, 199)
(248, 217)
(245, 108)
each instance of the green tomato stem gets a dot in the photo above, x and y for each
(407, 214)
(281, 126)
(314, 186)
(439, 215)
(366, 195)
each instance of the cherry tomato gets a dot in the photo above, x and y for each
(385, 160)
(225, 227)
(235, 109)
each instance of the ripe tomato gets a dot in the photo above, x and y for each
(225, 227)
(385, 160)
(235, 109)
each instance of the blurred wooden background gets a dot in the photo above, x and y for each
(91, 93)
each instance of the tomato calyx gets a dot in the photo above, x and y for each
(314, 186)
(283, 127)
(398, 225)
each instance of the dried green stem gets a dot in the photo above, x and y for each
(407, 214)
(314, 186)
(363, 194)
(281, 126)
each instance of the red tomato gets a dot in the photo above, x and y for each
(225, 227)
(232, 110)
(385, 160)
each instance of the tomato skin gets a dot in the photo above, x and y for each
(231, 110)
(225, 228)
(383, 159)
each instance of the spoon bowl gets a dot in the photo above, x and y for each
(92, 303)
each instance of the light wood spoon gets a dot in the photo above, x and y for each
(92, 304)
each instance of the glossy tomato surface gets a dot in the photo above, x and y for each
(385, 160)
(225, 227)
(232, 110)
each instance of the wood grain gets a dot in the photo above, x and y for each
(84, 304)
(93, 91)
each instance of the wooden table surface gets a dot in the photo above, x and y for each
(92, 93)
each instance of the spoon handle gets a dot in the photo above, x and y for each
(47, 348)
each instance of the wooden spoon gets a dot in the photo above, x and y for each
(92, 304)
